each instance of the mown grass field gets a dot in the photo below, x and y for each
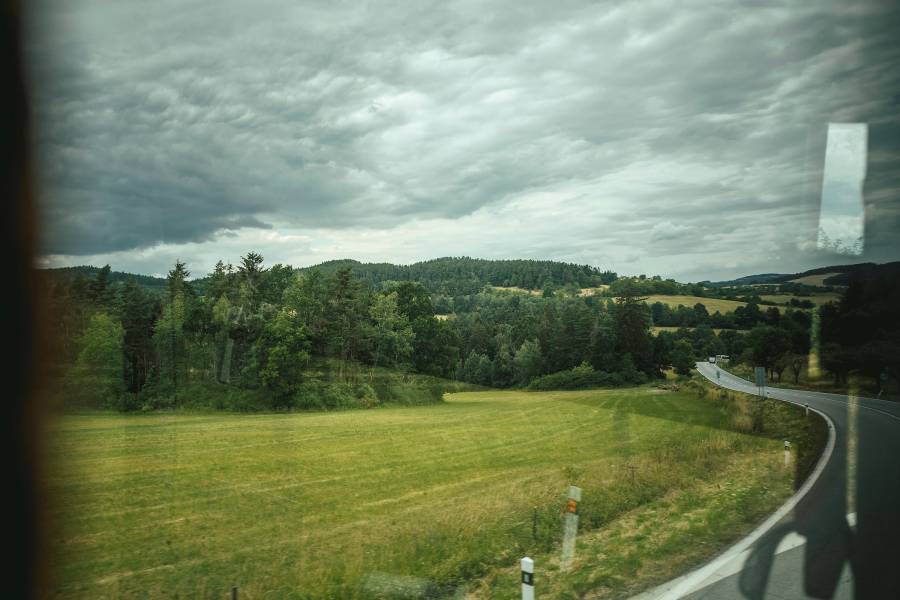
(817, 280)
(592, 291)
(817, 299)
(712, 304)
(446, 497)
(583, 292)
(516, 290)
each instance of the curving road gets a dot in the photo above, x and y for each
(839, 537)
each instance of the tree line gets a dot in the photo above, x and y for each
(261, 332)
(454, 275)
(254, 328)
(743, 317)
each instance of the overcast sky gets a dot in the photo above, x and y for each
(635, 136)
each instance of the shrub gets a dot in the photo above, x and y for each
(338, 395)
(365, 395)
(319, 395)
(126, 402)
(309, 396)
(207, 394)
(584, 376)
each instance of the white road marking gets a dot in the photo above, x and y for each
(733, 557)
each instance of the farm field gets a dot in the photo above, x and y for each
(657, 328)
(592, 291)
(516, 290)
(817, 299)
(712, 304)
(817, 280)
(443, 497)
(583, 292)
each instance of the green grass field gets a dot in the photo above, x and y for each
(817, 280)
(447, 497)
(712, 304)
(817, 299)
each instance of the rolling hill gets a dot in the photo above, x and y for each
(835, 275)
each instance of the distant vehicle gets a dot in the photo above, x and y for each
(712, 359)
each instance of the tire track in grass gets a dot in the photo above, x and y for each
(331, 533)
(354, 473)
(515, 434)
(232, 490)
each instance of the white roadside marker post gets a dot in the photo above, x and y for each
(787, 453)
(807, 410)
(527, 579)
(571, 530)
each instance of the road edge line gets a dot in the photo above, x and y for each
(678, 587)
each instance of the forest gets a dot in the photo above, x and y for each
(257, 337)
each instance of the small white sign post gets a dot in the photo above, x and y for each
(571, 527)
(807, 410)
(787, 453)
(527, 579)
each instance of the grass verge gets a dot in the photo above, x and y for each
(676, 531)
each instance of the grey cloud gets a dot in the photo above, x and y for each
(666, 230)
(172, 122)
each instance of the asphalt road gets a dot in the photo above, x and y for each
(842, 539)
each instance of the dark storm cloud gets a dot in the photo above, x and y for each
(177, 122)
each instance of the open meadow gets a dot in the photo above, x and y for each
(712, 304)
(435, 499)
(817, 279)
(817, 299)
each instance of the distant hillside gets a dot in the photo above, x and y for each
(863, 271)
(461, 275)
(68, 273)
(753, 279)
(836, 275)
(464, 274)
